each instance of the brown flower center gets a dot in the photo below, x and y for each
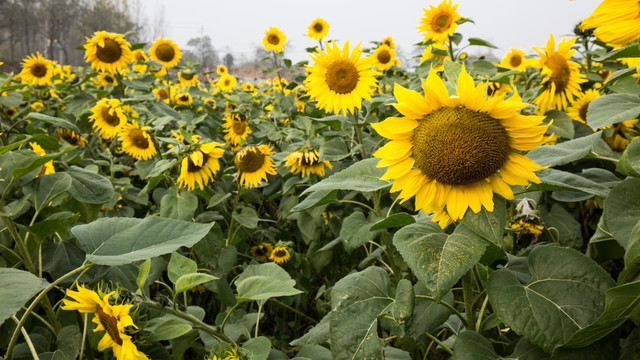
(273, 39)
(280, 253)
(441, 23)
(318, 27)
(560, 72)
(39, 70)
(515, 60)
(583, 111)
(195, 168)
(458, 146)
(110, 324)
(239, 127)
(137, 138)
(165, 52)
(187, 77)
(163, 94)
(251, 161)
(110, 116)
(110, 53)
(342, 76)
(384, 57)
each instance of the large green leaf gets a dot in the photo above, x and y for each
(166, 327)
(356, 302)
(355, 231)
(60, 122)
(565, 294)
(118, 241)
(557, 180)
(256, 348)
(562, 124)
(361, 176)
(566, 152)
(264, 281)
(56, 223)
(180, 206)
(611, 109)
(89, 187)
(317, 335)
(428, 314)
(17, 288)
(438, 260)
(622, 209)
(180, 265)
(489, 225)
(630, 161)
(471, 345)
(188, 281)
(46, 188)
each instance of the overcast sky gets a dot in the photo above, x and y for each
(238, 26)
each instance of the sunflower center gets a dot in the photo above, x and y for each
(262, 250)
(227, 82)
(441, 23)
(583, 111)
(191, 167)
(39, 70)
(305, 162)
(108, 79)
(188, 76)
(515, 60)
(139, 56)
(184, 97)
(280, 253)
(458, 146)
(239, 127)
(110, 53)
(138, 139)
(560, 72)
(110, 324)
(165, 52)
(384, 57)
(163, 94)
(252, 161)
(273, 39)
(342, 76)
(317, 27)
(110, 117)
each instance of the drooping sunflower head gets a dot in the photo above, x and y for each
(616, 22)
(70, 136)
(136, 141)
(236, 129)
(222, 70)
(165, 52)
(306, 162)
(227, 82)
(339, 80)
(318, 29)
(108, 117)
(36, 70)
(514, 59)
(280, 255)
(254, 163)
(262, 252)
(385, 57)
(200, 166)
(453, 152)
(274, 39)
(389, 42)
(108, 52)
(438, 23)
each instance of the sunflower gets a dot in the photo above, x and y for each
(70, 136)
(340, 81)
(514, 59)
(227, 82)
(439, 23)
(108, 52)
(306, 162)
(46, 168)
(248, 87)
(211, 102)
(162, 94)
(389, 42)
(181, 97)
(136, 141)
(561, 77)
(165, 52)
(140, 58)
(36, 70)
(453, 152)
(188, 78)
(274, 39)
(108, 117)
(617, 21)
(222, 70)
(37, 106)
(104, 79)
(236, 130)
(10, 112)
(200, 166)
(437, 58)
(578, 110)
(318, 29)
(385, 57)
(262, 252)
(254, 163)
(280, 255)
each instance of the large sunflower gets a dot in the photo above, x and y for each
(617, 21)
(254, 163)
(318, 29)
(136, 141)
(165, 52)
(108, 117)
(108, 52)
(439, 23)
(385, 57)
(561, 77)
(306, 162)
(514, 59)
(339, 80)
(453, 152)
(200, 166)
(274, 39)
(236, 130)
(36, 70)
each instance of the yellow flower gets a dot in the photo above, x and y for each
(439, 23)
(262, 252)
(318, 29)
(165, 52)
(108, 52)
(70, 136)
(46, 168)
(514, 59)
(140, 57)
(37, 105)
(200, 166)
(617, 21)
(389, 42)
(339, 80)
(236, 130)
(188, 78)
(108, 116)
(10, 112)
(453, 152)
(181, 97)
(222, 70)
(280, 255)
(36, 70)
(254, 163)
(385, 57)
(306, 162)
(162, 94)
(104, 79)
(136, 141)
(438, 59)
(227, 82)
(274, 39)
(578, 110)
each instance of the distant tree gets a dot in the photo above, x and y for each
(55, 29)
(203, 51)
(228, 60)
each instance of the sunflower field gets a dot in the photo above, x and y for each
(344, 207)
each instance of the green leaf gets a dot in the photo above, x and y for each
(180, 265)
(566, 152)
(361, 176)
(565, 294)
(69, 340)
(611, 109)
(313, 352)
(47, 188)
(356, 301)
(56, 223)
(629, 163)
(569, 229)
(427, 314)
(557, 180)
(257, 348)
(180, 206)
(480, 42)
(562, 124)
(316, 198)
(89, 187)
(23, 286)
(404, 303)
(393, 221)
(188, 281)
(143, 274)
(452, 70)
(119, 241)
(622, 209)
(317, 335)
(489, 225)
(60, 122)
(12, 146)
(471, 345)
(248, 217)
(620, 74)
(264, 281)
(355, 231)
(630, 50)
(333, 150)
(483, 68)
(438, 260)
(217, 199)
(166, 327)
(633, 247)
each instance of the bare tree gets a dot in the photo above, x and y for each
(203, 51)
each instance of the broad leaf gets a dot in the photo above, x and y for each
(59, 122)
(611, 109)
(630, 161)
(264, 281)
(188, 281)
(393, 221)
(247, 217)
(180, 265)
(355, 231)
(166, 327)
(47, 188)
(180, 206)
(566, 152)
(317, 335)
(562, 124)
(622, 209)
(89, 187)
(256, 348)
(361, 176)
(471, 345)
(489, 225)
(23, 286)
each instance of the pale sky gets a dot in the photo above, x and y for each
(238, 26)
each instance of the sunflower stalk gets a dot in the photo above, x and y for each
(467, 291)
(233, 210)
(358, 130)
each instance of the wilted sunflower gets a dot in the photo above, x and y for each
(339, 80)
(439, 23)
(222, 70)
(200, 166)
(108, 117)
(227, 82)
(136, 141)
(108, 52)
(385, 57)
(36, 70)
(453, 152)
(318, 29)
(280, 255)
(561, 77)
(47, 168)
(617, 21)
(514, 59)
(70, 136)
(274, 39)
(306, 162)
(254, 163)
(165, 52)
(236, 130)
(262, 252)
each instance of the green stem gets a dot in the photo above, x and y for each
(260, 305)
(32, 349)
(233, 210)
(358, 203)
(295, 310)
(358, 130)
(481, 313)
(437, 341)
(226, 317)
(467, 292)
(445, 304)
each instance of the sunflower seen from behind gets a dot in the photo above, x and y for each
(318, 29)
(108, 117)
(439, 23)
(340, 79)
(36, 70)
(108, 52)
(236, 129)
(200, 165)
(616, 22)
(274, 39)
(306, 163)
(254, 163)
(165, 52)
(453, 152)
(136, 141)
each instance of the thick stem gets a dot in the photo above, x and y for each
(358, 130)
(467, 291)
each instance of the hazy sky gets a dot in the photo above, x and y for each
(238, 26)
